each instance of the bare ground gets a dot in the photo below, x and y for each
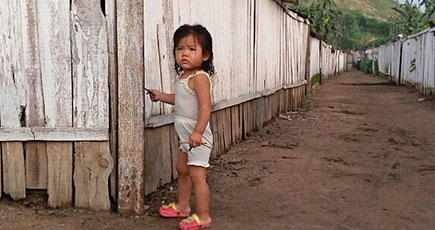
(359, 154)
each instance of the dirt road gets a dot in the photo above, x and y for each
(360, 154)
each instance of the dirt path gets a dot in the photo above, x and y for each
(359, 155)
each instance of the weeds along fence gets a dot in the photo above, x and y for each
(72, 104)
(411, 61)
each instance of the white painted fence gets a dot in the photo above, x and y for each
(324, 59)
(258, 46)
(415, 65)
(58, 68)
(315, 57)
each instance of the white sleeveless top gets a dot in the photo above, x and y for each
(186, 102)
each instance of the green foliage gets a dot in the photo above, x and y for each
(346, 30)
(412, 66)
(379, 9)
(324, 17)
(411, 20)
(374, 22)
(367, 66)
(359, 31)
(315, 80)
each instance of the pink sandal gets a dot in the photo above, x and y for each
(192, 222)
(171, 210)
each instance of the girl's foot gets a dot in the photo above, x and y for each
(193, 222)
(171, 210)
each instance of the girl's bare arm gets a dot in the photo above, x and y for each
(201, 85)
(156, 95)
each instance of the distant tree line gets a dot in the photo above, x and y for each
(354, 31)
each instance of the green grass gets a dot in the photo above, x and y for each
(315, 80)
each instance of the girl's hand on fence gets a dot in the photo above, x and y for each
(154, 95)
(195, 139)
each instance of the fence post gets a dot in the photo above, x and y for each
(131, 125)
(308, 62)
(399, 78)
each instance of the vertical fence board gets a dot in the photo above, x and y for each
(93, 161)
(93, 164)
(90, 65)
(244, 119)
(165, 66)
(131, 150)
(60, 163)
(214, 128)
(228, 129)
(55, 58)
(260, 106)
(153, 48)
(233, 124)
(14, 180)
(12, 81)
(242, 122)
(36, 165)
(12, 96)
(36, 155)
(173, 138)
(158, 158)
(113, 94)
(222, 134)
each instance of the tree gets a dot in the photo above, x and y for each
(324, 16)
(411, 20)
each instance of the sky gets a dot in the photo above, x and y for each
(415, 2)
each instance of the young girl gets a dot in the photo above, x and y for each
(194, 64)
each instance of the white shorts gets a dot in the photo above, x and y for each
(198, 156)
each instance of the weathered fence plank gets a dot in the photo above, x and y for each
(14, 180)
(36, 165)
(36, 156)
(113, 93)
(53, 134)
(93, 161)
(12, 99)
(131, 153)
(89, 64)
(55, 58)
(165, 67)
(214, 129)
(60, 169)
(158, 158)
(173, 137)
(93, 164)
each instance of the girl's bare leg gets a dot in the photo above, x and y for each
(202, 193)
(184, 182)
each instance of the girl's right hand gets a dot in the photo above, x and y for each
(154, 95)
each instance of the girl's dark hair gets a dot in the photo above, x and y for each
(204, 40)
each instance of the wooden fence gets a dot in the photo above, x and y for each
(324, 60)
(261, 60)
(72, 102)
(411, 62)
(54, 101)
